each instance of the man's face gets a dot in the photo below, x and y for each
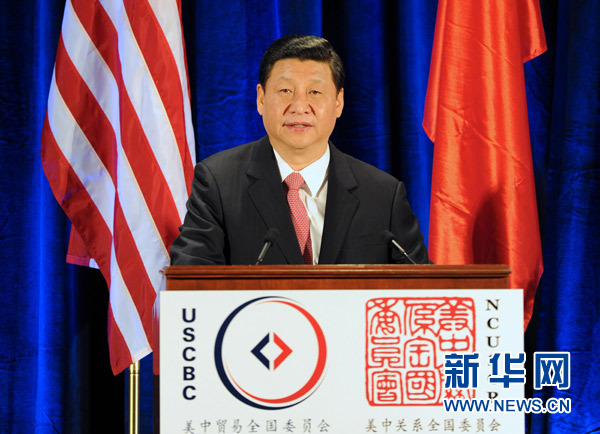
(299, 106)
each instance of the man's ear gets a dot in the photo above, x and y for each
(339, 101)
(260, 98)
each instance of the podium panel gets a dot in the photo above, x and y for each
(307, 349)
(219, 277)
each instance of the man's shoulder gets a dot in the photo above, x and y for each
(236, 158)
(232, 155)
(363, 171)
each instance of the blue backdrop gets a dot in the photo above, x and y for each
(54, 371)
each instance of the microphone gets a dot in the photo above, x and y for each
(389, 237)
(270, 238)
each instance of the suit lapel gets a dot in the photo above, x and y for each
(341, 206)
(267, 195)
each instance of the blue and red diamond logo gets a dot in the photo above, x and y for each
(271, 340)
(291, 375)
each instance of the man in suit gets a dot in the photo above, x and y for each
(327, 207)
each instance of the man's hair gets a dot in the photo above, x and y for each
(303, 47)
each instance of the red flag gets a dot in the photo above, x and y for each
(483, 204)
(118, 151)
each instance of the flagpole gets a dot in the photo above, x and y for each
(134, 371)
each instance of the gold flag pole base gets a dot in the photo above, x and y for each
(134, 393)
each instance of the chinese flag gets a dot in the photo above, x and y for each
(483, 204)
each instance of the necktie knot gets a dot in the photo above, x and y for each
(294, 181)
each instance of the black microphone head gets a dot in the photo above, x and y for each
(387, 236)
(271, 236)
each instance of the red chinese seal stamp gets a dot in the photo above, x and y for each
(406, 339)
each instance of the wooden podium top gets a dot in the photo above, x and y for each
(248, 277)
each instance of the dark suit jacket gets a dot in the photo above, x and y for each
(238, 194)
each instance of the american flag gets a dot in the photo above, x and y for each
(118, 150)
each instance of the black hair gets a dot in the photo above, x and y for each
(303, 47)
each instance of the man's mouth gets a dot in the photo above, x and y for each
(298, 125)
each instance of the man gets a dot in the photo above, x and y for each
(327, 207)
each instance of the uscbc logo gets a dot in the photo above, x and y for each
(271, 353)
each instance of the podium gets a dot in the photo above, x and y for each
(328, 348)
(224, 277)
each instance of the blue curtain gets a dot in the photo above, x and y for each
(54, 371)
(564, 104)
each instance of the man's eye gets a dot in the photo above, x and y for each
(285, 90)
(315, 92)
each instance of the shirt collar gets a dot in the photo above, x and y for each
(314, 174)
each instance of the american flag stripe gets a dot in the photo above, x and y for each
(118, 150)
(85, 109)
(140, 156)
(83, 160)
(171, 13)
(163, 69)
(67, 185)
(137, 84)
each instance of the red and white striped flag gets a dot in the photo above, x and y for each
(118, 150)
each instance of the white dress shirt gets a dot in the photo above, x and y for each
(313, 195)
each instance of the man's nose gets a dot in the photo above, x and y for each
(300, 103)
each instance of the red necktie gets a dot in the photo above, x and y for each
(299, 215)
